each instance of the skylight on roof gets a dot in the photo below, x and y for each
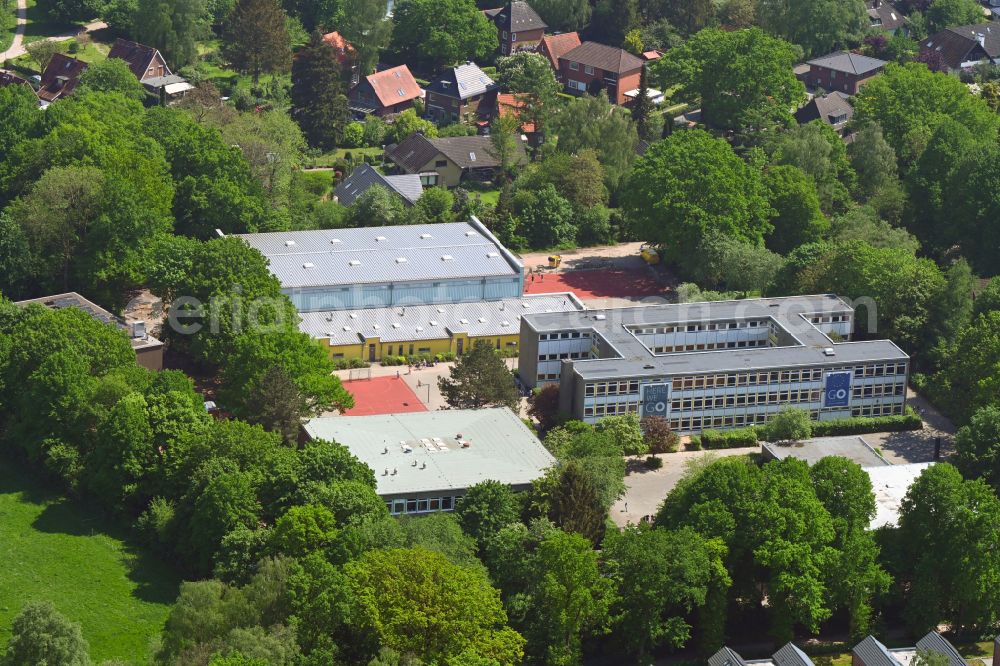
(308, 265)
(463, 321)
(447, 257)
(353, 262)
(400, 260)
(400, 92)
(398, 76)
(472, 156)
(289, 243)
(425, 236)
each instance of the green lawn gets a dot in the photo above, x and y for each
(8, 21)
(38, 26)
(57, 550)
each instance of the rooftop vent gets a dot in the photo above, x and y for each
(419, 329)
(648, 367)
(505, 323)
(400, 260)
(396, 324)
(353, 262)
(334, 241)
(425, 236)
(379, 238)
(829, 352)
(308, 265)
(138, 329)
(289, 243)
(353, 315)
(347, 328)
(492, 255)
(433, 322)
(447, 257)
(600, 317)
(376, 326)
(463, 321)
(482, 320)
(440, 310)
(471, 233)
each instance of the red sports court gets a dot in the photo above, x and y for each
(599, 283)
(382, 395)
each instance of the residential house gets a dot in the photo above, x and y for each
(518, 25)
(456, 94)
(554, 47)
(883, 16)
(511, 105)
(726, 656)
(149, 66)
(385, 93)
(365, 177)
(448, 161)
(842, 70)
(788, 655)
(11, 79)
(834, 109)
(591, 67)
(148, 350)
(870, 652)
(343, 48)
(965, 46)
(60, 78)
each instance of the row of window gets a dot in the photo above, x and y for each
(699, 423)
(401, 506)
(563, 336)
(770, 398)
(693, 328)
(575, 66)
(782, 376)
(556, 357)
(708, 346)
(626, 387)
(831, 319)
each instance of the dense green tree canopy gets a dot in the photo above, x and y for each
(667, 205)
(42, 635)
(733, 73)
(817, 26)
(440, 33)
(172, 26)
(319, 104)
(797, 216)
(256, 39)
(480, 378)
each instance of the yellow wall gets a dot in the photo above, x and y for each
(359, 350)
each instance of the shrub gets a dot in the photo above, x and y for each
(694, 443)
(652, 462)
(860, 425)
(659, 437)
(729, 439)
(350, 363)
(354, 135)
(791, 423)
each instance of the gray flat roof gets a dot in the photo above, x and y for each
(72, 299)
(432, 322)
(501, 448)
(371, 255)
(636, 360)
(890, 484)
(854, 448)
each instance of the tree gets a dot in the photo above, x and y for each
(543, 406)
(256, 39)
(818, 151)
(625, 431)
(908, 101)
(479, 378)
(978, 210)
(660, 576)
(790, 424)
(486, 508)
(441, 533)
(969, 381)
(579, 178)
(407, 123)
(504, 137)
(988, 299)
(42, 52)
(438, 33)
(434, 206)
(576, 506)
(873, 160)
(733, 73)
(172, 26)
(943, 14)
(563, 15)
(613, 19)
(568, 599)
(978, 445)
(367, 28)
(16, 263)
(863, 223)
(643, 107)
(378, 206)
(69, 11)
(319, 105)
(593, 122)
(797, 218)
(667, 206)
(929, 658)
(546, 219)
(659, 437)
(277, 404)
(112, 76)
(530, 76)
(416, 601)
(41, 635)
(945, 519)
(818, 27)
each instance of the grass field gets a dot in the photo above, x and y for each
(8, 21)
(56, 550)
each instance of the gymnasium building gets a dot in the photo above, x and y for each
(725, 364)
(417, 290)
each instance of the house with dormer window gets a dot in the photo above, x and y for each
(385, 93)
(456, 94)
(519, 27)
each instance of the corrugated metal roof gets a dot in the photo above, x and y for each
(432, 322)
(365, 177)
(341, 257)
(790, 655)
(935, 642)
(870, 652)
(501, 448)
(726, 657)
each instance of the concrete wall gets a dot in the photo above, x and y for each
(355, 297)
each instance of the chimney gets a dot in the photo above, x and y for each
(981, 38)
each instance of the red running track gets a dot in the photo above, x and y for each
(382, 395)
(599, 283)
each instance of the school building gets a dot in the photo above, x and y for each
(724, 364)
(377, 267)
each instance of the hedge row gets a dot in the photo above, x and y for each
(858, 425)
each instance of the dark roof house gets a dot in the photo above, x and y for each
(870, 652)
(604, 57)
(457, 93)
(965, 46)
(451, 159)
(11, 79)
(518, 26)
(144, 61)
(935, 642)
(842, 70)
(885, 17)
(790, 655)
(60, 77)
(365, 177)
(726, 657)
(592, 66)
(554, 47)
(834, 109)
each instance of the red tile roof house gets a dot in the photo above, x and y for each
(385, 93)
(843, 71)
(554, 47)
(591, 67)
(60, 78)
(518, 25)
(344, 49)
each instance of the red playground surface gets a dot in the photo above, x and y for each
(382, 395)
(598, 283)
